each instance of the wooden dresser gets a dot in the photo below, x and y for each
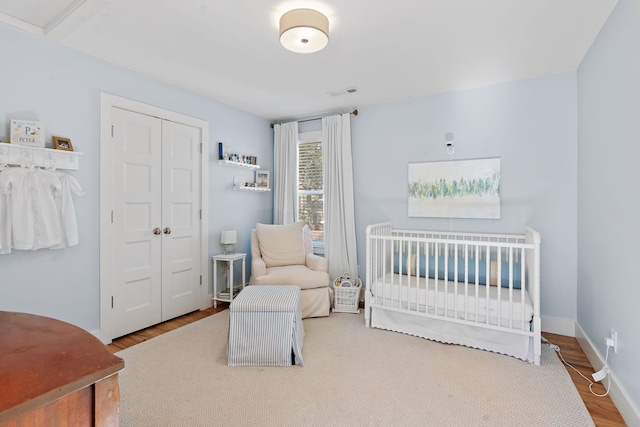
(55, 374)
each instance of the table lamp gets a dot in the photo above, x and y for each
(228, 238)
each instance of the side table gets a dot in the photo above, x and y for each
(229, 259)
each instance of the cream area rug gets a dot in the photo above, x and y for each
(353, 376)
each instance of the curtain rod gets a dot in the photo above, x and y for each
(354, 112)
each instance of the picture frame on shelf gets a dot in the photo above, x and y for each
(29, 133)
(262, 178)
(62, 143)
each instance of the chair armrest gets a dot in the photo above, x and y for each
(258, 267)
(317, 263)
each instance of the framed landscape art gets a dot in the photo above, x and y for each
(455, 189)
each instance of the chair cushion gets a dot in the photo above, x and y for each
(281, 244)
(297, 275)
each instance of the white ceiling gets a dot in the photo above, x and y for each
(228, 50)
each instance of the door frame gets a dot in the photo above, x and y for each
(107, 102)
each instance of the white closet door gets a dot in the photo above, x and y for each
(156, 220)
(180, 219)
(137, 301)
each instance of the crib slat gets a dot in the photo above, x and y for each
(487, 256)
(477, 283)
(523, 284)
(511, 287)
(499, 282)
(455, 280)
(466, 282)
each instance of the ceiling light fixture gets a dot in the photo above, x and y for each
(304, 30)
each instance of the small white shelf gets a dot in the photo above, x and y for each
(238, 164)
(254, 189)
(14, 154)
(240, 184)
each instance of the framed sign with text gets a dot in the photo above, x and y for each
(27, 132)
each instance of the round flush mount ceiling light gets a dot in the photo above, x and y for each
(304, 30)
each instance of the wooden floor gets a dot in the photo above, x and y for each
(159, 329)
(602, 409)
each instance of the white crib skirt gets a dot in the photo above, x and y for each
(520, 346)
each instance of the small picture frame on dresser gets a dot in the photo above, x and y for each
(62, 143)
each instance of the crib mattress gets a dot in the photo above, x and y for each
(493, 305)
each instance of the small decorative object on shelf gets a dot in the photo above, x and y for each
(225, 154)
(262, 178)
(27, 132)
(62, 143)
(226, 293)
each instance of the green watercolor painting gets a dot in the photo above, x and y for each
(455, 189)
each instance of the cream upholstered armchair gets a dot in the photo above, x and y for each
(282, 255)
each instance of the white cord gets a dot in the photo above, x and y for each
(591, 383)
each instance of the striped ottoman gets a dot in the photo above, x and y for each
(265, 327)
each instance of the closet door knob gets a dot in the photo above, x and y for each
(167, 230)
(156, 231)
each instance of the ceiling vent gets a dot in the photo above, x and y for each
(344, 91)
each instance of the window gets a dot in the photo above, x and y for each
(310, 188)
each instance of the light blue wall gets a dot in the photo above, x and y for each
(577, 197)
(531, 125)
(61, 88)
(608, 197)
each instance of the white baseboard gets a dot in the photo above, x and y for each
(618, 395)
(98, 334)
(558, 325)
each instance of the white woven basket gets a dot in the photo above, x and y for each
(346, 294)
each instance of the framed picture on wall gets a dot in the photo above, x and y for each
(455, 189)
(62, 143)
(262, 178)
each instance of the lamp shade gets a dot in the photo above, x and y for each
(228, 237)
(304, 30)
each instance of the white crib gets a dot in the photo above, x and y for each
(472, 289)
